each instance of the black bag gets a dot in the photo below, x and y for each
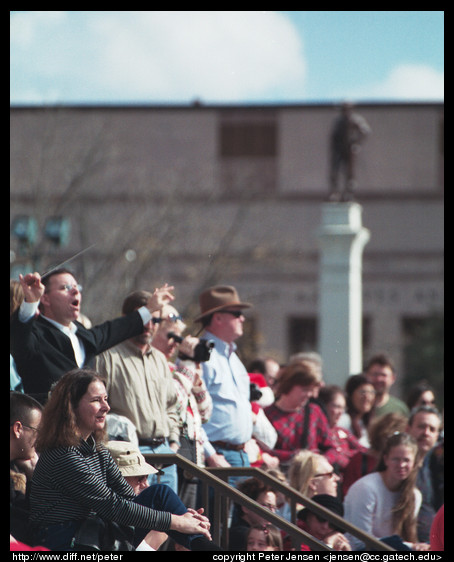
(96, 534)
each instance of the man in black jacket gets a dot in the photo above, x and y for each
(47, 343)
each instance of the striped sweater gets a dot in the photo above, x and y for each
(71, 482)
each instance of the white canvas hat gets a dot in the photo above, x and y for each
(130, 460)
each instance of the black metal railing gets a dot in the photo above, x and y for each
(217, 495)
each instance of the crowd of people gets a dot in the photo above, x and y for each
(88, 402)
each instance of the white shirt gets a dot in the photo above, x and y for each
(28, 309)
(228, 383)
(368, 505)
(345, 421)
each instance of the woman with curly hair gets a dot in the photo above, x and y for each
(243, 518)
(299, 422)
(76, 476)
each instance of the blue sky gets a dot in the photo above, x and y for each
(226, 56)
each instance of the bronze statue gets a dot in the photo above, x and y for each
(349, 130)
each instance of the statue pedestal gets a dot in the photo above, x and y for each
(342, 239)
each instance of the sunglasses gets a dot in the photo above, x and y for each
(328, 474)
(170, 318)
(236, 313)
(174, 337)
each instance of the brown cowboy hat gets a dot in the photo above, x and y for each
(219, 298)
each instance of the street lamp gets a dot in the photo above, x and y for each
(57, 230)
(25, 229)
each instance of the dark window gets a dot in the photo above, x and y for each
(302, 334)
(247, 140)
(423, 352)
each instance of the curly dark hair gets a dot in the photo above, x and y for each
(252, 487)
(58, 426)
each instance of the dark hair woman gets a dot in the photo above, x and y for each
(76, 476)
(360, 396)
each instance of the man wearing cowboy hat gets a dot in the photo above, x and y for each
(230, 425)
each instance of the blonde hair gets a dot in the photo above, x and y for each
(302, 469)
(16, 296)
(277, 473)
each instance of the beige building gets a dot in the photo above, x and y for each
(198, 195)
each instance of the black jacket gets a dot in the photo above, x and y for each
(43, 353)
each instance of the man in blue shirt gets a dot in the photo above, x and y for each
(226, 378)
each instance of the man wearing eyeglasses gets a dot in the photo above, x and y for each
(47, 339)
(169, 327)
(194, 404)
(230, 425)
(141, 388)
(25, 417)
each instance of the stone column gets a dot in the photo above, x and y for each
(342, 239)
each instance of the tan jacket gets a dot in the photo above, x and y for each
(141, 387)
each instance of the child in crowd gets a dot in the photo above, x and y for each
(262, 538)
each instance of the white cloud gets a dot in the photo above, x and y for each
(161, 56)
(212, 55)
(412, 82)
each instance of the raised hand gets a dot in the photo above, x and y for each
(32, 286)
(161, 296)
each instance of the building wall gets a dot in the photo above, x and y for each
(233, 195)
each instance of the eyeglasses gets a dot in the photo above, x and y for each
(30, 427)
(367, 392)
(170, 318)
(236, 313)
(176, 338)
(67, 288)
(328, 474)
(269, 506)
